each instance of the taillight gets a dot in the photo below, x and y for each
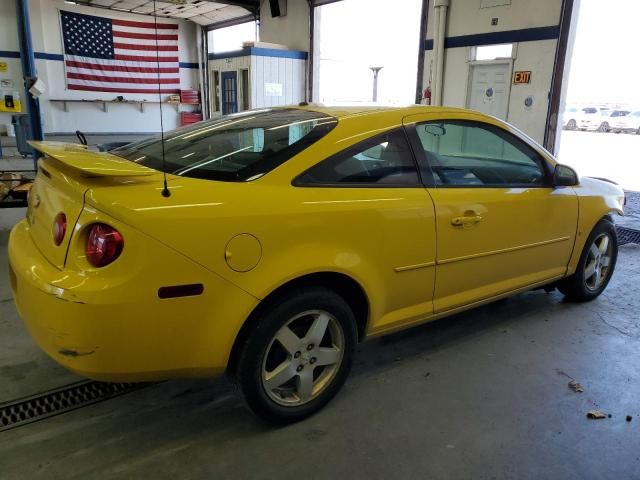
(59, 228)
(104, 244)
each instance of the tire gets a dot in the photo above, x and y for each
(604, 127)
(583, 286)
(571, 124)
(284, 345)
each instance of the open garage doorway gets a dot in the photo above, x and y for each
(601, 118)
(357, 40)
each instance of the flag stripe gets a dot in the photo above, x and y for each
(150, 31)
(159, 26)
(122, 51)
(102, 78)
(88, 88)
(149, 48)
(120, 68)
(144, 36)
(136, 58)
(151, 63)
(144, 41)
(129, 76)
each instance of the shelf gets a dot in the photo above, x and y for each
(104, 104)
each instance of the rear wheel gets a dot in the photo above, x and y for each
(604, 127)
(571, 124)
(596, 264)
(298, 356)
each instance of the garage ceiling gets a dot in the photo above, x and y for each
(203, 12)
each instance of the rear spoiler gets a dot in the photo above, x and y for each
(92, 164)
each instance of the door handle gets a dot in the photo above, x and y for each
(458, 221)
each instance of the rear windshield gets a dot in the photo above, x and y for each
(235, 148)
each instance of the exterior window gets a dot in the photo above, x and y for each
(492, 52)
(235, 148)
(463, 153)
(385, 160)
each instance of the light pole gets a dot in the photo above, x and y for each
(375, 71)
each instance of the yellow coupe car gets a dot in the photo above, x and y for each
(285, 236)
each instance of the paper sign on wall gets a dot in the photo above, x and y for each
(273, 89)
(4, 67)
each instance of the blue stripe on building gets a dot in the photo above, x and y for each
(9, 54)
(49, 56)
(260, 52)
(493, 38)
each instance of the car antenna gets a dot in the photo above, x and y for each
(165, 188)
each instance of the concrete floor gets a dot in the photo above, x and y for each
(480, 395)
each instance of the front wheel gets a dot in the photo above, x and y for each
(572, 125)
(604, 127)
(298, 355)
(596, 265)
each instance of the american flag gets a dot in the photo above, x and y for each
(122, 56)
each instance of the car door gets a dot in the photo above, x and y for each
(500, 225)
(377, 211)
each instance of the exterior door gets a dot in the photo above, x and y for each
(489, 88)
(500, 225)
(229, 92)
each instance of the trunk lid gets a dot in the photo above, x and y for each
(64, 174)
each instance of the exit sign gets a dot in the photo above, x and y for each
(522, 76)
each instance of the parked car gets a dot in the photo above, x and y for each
(603, 121)
(280, 238)
(568, 118)
(630, 123)
(572, 116)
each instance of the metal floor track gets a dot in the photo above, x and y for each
(627, 235)
(53, 402)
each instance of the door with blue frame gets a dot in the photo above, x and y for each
(229, 92)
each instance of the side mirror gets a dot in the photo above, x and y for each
(564, 176)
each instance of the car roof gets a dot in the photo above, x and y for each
(346, 111)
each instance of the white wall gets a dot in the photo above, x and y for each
(291, 30)
(465, 17)
(9, 42)
(287, 72)
(47, 38)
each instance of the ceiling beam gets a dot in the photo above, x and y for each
(234, 21)
(252, 5)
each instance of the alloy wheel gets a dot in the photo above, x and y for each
(303, 358)
(598, 262)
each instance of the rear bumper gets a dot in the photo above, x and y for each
(124, 334)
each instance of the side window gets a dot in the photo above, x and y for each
(383, 160)
(463, 153)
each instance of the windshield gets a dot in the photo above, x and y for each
(234, 148)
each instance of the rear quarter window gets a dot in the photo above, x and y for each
(234, 148)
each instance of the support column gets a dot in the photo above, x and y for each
(28, 68)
